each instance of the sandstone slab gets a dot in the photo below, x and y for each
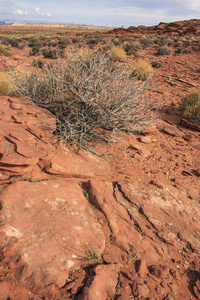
(48, 227)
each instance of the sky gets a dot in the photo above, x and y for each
(115, 13)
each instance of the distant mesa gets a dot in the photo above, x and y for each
(187, 27)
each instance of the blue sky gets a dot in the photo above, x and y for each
(111, 12)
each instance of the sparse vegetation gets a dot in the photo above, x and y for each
(156, 64)
(117, 54)
(163, 50)
(7, 87)
(91, 97)
(37, 62)
(4, 50)
(142, 70)
(190, 107)
(91, 255)
(131, 48)
(49, 53)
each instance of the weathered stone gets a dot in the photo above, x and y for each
(53, 227)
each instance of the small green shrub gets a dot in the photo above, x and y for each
(35, 51)
(163, 50)
(190, 107)
(145, 42)
(92, 41)
(156, 64)
(116, 42)
(37, 62)
(178, 50)
(131, 48)
(49, 53)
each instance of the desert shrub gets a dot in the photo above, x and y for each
(7, 87)
(155, 40)
(92, 41)
(5, 41)
(109, 43)
(131, 48)
(145, 42)
(163, 50)
(190, 107)
(188, 42)
(185, 51)
(62, 45)
(156, 64)
(178, 51)
(4, 50)
(49, 53)
(61, 53)
(92, 98)
(52, 44)
(116, 42)
(16, 43)
(117, 54)
(34, 51)
(75, 40)
(169, 42)
(142, 70)
(178, 44)
(37, 43)
(37, 62)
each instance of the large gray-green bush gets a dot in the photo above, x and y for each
(91, 96)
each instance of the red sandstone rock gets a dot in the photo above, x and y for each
(171, 130)
(61, 227)
(142, 268)
(103, 284)
(159, 271)
(197, 289)
(142, 150)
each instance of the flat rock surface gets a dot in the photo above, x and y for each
(52, 227)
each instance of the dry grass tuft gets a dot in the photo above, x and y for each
(117, 54)
(142, 70)
(4, 50)
(190, 107)
(7, 87)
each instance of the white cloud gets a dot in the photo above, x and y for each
(37, 10)
(20, 12)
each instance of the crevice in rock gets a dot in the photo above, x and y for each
(13, 143)
(117, 185)
(35, 135)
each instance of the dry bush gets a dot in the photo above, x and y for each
(117, 54)
(92, 98)
(7, 87)
(156, 64)
(37, 62)
(131, 48)
(4, 50)
(142, 70)
(145, 42)
(190, 107)
(163, 50)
